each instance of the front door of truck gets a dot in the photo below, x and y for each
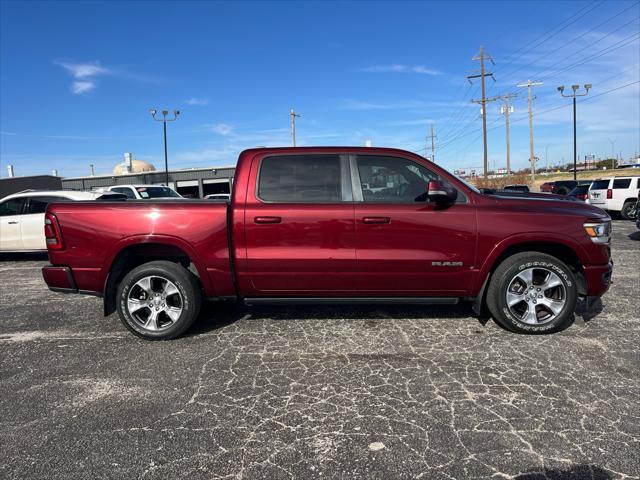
(406, 246)
(299, 226)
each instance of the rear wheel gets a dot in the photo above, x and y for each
(532, 293)
(158, 300)
(628, 210)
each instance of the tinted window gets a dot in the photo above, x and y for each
(300, 178)
(126, 190)
(393, 179)
(600, 185)
(12, 207)
(157, 192)
(621, 182)
(39, 204)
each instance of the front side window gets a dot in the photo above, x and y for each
(13, 206)
(621, 183)
(39, 204)
(300, 179)
(393, 179)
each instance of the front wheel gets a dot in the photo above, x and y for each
(532, 292)
(158, 300)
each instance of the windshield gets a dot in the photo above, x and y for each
(157, 192)
(472, 187)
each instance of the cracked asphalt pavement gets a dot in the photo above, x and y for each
(318, 392)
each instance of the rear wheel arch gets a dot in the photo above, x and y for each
(134, 255)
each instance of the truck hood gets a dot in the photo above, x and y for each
(547, 204)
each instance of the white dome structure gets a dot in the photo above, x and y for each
(137, 166)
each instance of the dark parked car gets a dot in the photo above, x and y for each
(563, 187)
(517, 188)
(581, 191)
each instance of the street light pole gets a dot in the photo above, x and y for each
(575, 94)
(164, 121)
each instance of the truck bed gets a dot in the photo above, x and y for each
(95, 233)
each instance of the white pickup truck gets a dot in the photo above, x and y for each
(615, 194)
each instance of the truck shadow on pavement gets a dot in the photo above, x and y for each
(216, 315)
(574, 472)
(24, 257)
(635, 236)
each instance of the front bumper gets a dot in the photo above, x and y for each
(598, 278)
(59, 279)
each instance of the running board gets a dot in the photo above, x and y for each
(353, 300)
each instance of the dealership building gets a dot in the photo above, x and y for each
(189, 182)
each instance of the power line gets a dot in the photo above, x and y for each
(510, 58)
(511, 72)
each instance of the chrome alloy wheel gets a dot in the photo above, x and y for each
(536, 296)
(155, 303)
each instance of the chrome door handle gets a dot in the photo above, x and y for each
(267, 219)
(376, 220)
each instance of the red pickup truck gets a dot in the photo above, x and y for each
(333, 224)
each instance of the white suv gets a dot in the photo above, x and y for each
(22, 216)
(615, 194)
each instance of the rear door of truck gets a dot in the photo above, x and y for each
(299, 225)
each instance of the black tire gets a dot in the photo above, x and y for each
(562, 191)
(626, 208)
(505, 276)
(187, 299)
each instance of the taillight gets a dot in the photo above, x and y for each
(52, 233)
(609, 194)
(582, 196)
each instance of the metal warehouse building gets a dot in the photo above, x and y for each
(194, 183)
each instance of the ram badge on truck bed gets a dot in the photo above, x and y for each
(333, 224)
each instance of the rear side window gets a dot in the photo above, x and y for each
(300, 179)
(39, 204)
(600, 185)
(13, 206)
(621, 182)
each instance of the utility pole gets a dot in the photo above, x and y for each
(433, 137)
(164, 121)
(293, 126)
(482, 56)
(575, 94)
(613, 145)
(530, 97)
(506, 109)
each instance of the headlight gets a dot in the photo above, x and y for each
(599, 232)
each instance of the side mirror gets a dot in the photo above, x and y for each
(441, 192)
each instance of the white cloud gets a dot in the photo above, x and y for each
(84, 74)
(195, 101)
(84, 70)
(222, 129)
(82, 87)
(400, 68)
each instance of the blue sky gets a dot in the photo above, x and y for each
(77, 79)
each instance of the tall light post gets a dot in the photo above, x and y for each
(573, 95)
(164, 121)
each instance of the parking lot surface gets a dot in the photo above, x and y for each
(318, 392)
